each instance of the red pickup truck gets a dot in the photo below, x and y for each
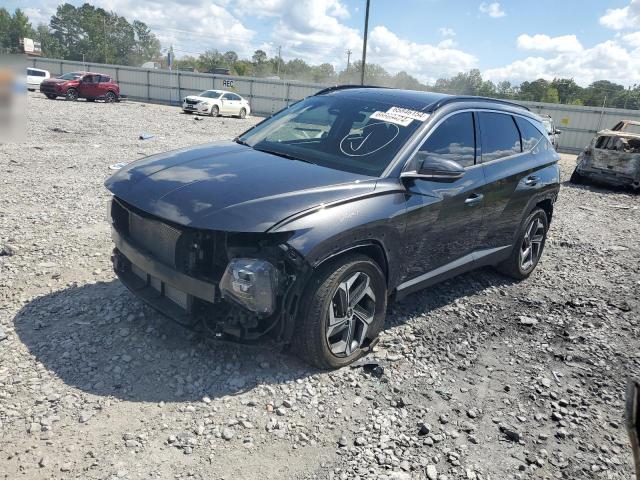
(75, 85)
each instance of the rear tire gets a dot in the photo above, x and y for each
(334, 329)
(187, 112)
(528, 247)
(243, 113)
(110, 97)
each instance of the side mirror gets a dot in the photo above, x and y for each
(558, 132)
(435, 168)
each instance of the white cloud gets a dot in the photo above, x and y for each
(622, 18)
(427, 62)
(308, 29)
(608, 60)
(632, 39)
(447, 32)
(493, 9)
(545, 43)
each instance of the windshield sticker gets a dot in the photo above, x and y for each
(406, 112)
(369, 139)
(392, 118)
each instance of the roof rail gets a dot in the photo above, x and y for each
(470, 98)
(343, 87)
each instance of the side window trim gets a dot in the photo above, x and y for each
(439, 125)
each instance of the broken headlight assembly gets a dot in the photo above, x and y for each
(252, 283)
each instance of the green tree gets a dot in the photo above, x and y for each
(550, 96)
(567, 89)
(230, 58)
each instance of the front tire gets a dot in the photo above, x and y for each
(51, 97)
(215, 111)
(72, 94)
(529, 246)
(577, 178)
(344, 307)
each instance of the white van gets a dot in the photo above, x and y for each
(35, 76)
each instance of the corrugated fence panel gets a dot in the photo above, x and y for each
(577, 123)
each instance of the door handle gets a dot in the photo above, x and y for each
(474, 199)
(531, 181)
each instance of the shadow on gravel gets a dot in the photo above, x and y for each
(600, 188)
(446, 293)
(100, 339)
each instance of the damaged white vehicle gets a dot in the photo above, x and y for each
(612, 157)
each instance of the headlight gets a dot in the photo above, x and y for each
(252, 283)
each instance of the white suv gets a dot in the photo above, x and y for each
(35, 76)
(216, 102)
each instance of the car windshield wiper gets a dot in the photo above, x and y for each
(284, 155)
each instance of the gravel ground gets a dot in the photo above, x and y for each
(477, 378)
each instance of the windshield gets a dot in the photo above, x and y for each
(70, 76)
(210, 94)
(335, 132)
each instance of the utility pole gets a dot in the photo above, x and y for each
(279, 59)
(349, 52)
(364, 43)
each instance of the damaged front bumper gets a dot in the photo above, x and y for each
(245, 290)
(606, 174)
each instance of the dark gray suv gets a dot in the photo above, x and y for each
(300, 230)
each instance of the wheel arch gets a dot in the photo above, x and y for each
(372, 249)
(547, 206)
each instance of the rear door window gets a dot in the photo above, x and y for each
(454, 139)
(500, 137)
(531, 136)
(105, 79)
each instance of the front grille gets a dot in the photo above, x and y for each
(154, 236)
(191, 102)
(200, 253)
(48, 88)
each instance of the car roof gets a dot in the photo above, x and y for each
(427, 102)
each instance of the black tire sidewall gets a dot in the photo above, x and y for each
(318, 304)
(243, 113)
(68, 96)
(215, 111)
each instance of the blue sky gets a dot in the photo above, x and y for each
(511, 40)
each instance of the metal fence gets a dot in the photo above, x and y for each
(578, 124)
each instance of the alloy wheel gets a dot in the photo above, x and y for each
(72, 95)
(350, 315)
(110, 97)
(531, 244)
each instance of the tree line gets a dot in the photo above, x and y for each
(99, 36)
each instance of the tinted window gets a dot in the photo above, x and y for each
(35, 73)
(530, 134)
(232, 96)
(91, 79)
(454, 139)
(500, 137)
(105, 79)
(210, 94)
(70, 76)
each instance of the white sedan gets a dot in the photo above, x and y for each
(35, 76)
(216, 102)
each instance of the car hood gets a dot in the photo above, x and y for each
(231, 187)
(56, 80)
(199, 99)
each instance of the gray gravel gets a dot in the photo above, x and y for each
(477, 378)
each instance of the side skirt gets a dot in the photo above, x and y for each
(471, 261)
